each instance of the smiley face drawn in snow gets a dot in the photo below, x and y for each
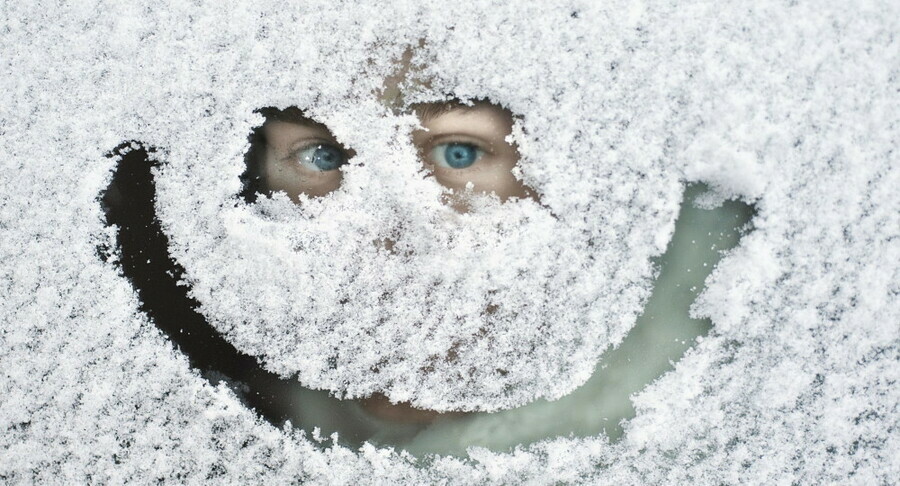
(372, 267)
(311, 146)
(525, 295)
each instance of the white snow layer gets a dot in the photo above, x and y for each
(794, 106)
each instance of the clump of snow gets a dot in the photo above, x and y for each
(791, 106)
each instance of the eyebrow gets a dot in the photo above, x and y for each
(291, 114)
(429, 111)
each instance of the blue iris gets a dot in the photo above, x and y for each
(323, 157)
(457, 155)
(328, 157)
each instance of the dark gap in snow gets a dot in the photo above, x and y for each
(129, 204)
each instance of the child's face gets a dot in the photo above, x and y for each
(463, 147)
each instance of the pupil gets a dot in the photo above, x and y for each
(460, 155)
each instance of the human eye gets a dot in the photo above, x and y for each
(321, 157)
(455, 155)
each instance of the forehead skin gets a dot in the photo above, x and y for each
(488, 119)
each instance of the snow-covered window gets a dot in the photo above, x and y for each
(629, 242)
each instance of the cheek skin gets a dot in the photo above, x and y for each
(491, 174)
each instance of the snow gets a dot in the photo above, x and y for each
(793, 107)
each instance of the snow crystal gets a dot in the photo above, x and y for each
(788, 106)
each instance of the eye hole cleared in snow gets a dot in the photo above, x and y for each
(662, 334)
(293, 154)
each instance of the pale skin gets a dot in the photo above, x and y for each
(464, 148)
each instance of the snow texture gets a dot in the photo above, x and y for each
(794, 106)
